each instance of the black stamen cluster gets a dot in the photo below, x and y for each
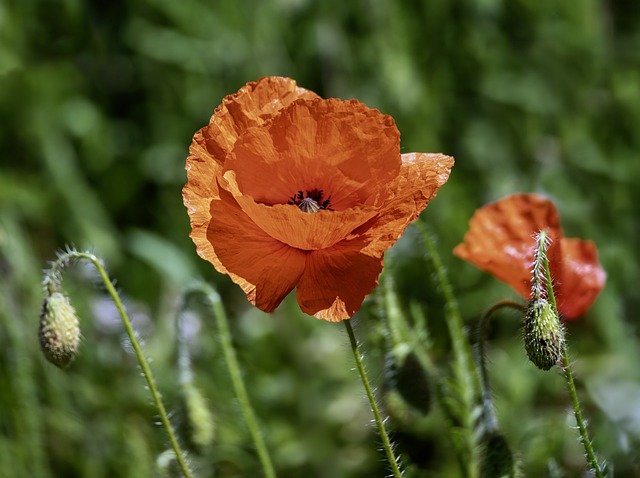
(315, 194)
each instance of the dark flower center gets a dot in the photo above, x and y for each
(311, 200)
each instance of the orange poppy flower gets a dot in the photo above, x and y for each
(501, 241)
(288, 190)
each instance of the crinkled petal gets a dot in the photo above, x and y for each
(501, 240)
(336, 280)
(266, 269)
(252, 105)
(349, 151)
(307, 231)
(582, 277)
(420, 177)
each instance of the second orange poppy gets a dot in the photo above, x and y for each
(501, 241)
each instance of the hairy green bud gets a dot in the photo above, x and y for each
(543, 334)
(407, 376)
(201, 422)
(497, 457)
(59, 330)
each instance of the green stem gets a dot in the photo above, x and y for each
(144, 365)
(392, 306)
(386, 443)
(236, 376)
(465, 374)
(584, 435)
(461, 349)
(491, 422)
(399, 330)
(568, 374)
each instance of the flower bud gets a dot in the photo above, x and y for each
(59, 330)
(408, 377)
(497, 458)
(200, 420)
(543, 334)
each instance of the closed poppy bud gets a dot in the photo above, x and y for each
(201, 424)
(543, 334)
(59, 330)
(407, 376)
(497, 458)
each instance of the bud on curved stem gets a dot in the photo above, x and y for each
(542, 277)
(52, 283)
(497, 459)
(543, 334)
(491, 422)
(59, 330)
(200, 420)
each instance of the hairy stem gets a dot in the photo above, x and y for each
(461, 348)
(568, 374)
(483, 324)
(465, 373)
(52, 282)
(386, 443)
(399, 330)
(236, 376)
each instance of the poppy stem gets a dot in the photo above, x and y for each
(491, 422)
(239, 386)
(386, 443)
(399, 330)
(53, 281)
(568, 374)
(461, 348)
(465, 374)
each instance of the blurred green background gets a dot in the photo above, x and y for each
(98, 104)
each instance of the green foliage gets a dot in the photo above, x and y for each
(98, 103)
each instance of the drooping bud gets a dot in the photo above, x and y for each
(497, 457)
(543, 334)
(407, 376)
(200, 420)
(59, 330)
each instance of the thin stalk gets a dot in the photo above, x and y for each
(399, 330)
(144, 365)
(236, 377)
(386, 443)
(465, 373)
(568, 374)
(461, 349)
(491, 422)
(392, 307)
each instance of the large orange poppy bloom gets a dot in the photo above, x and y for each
(288, 190)
(501, 241)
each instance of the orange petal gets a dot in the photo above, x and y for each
(501, 241)
(266, 269)
(420, 177)
(306, 231)
(336, 280)
(349, 151)
(582, 277)
(252, 105)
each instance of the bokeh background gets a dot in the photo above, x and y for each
(98, 104)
